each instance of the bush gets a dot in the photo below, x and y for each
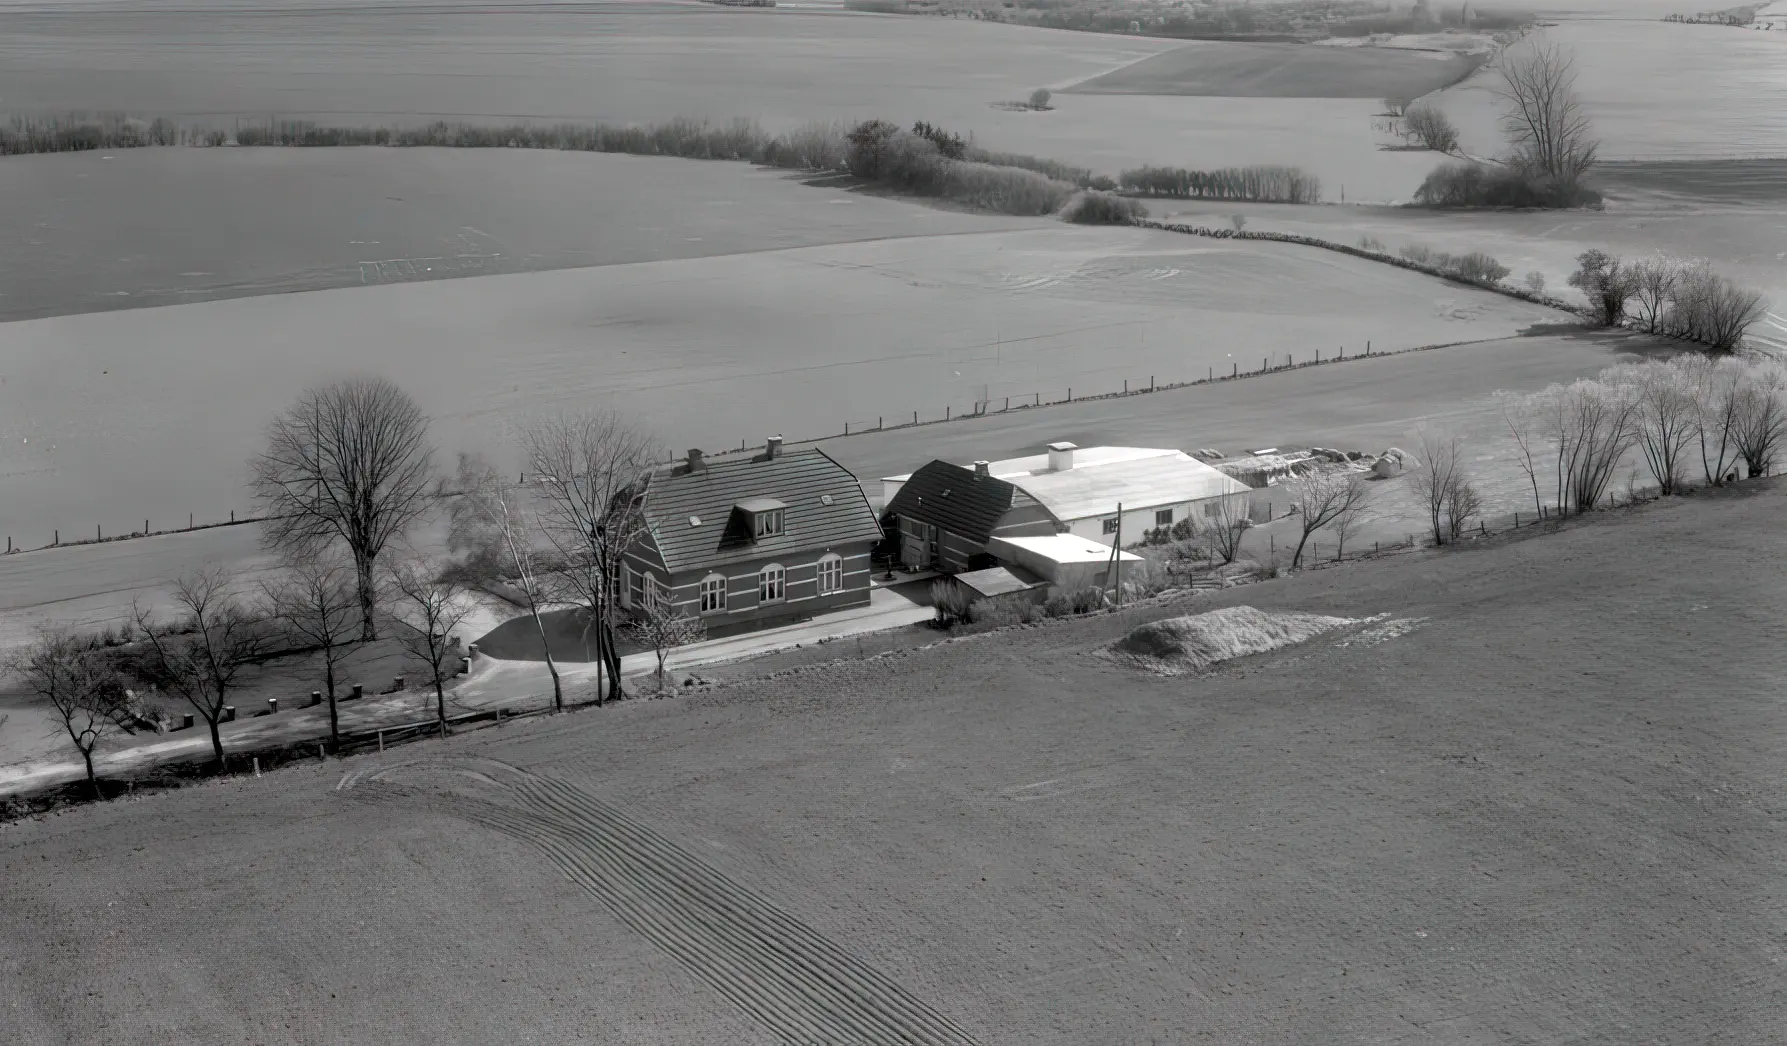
(868, 142)
(1473, 185)
(1039, 98)
(1535, 282)
(1007, 190)
(952, 602)
(813, 147)
(1431, 128)
(1057, 606)
(1475, 267)
(951, 146)
(1371, 243)
(1264, 184)
(1420, 254)
(1097, 208)
(1052, 169)
(1086, 600)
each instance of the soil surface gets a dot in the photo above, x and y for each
(1549, 813)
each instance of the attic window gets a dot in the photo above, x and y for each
(768, 523)
(694, 521)
(763, 517)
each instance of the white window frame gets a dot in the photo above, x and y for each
(772, 584)
(831, 574)
(769, 523)
(713, 594)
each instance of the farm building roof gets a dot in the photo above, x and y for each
(955, 499)
(694, 523)
(1058, 548)
(1102, 477)
(999, 581)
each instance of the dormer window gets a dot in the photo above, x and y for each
(764, 517)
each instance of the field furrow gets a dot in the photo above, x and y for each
(782, 973)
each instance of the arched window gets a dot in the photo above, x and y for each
(713, 593)
(831, 573)
(772, 583)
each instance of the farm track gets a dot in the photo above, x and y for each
(790, 978)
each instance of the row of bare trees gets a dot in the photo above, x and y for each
(1681, 417)
(1685, 300)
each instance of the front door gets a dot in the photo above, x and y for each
(918, 544)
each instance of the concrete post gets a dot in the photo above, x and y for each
(229, 713)
(316, 698)
(273, 705)
(359, 692)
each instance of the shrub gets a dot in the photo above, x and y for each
(1238, 222)
(1057, 606)
(1039, 98)
(1086, 600)
(1535, 282)
(1003, 613)
(1007, 190)
(951, 146)
(1418, 253)
(1371, 243)
(1097, 208)
(1473, 185)
(868, 143)
(1708, 308)
(1265, 184)
(1184, 530)
(1476, 267)
(818, 146)
(1607, 283)
(951, 601)
(1431, 128)
(1052, 169)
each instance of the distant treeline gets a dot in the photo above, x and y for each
(1263, 184)
(925, 161)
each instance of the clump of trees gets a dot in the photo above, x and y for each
(1432, 128)
(1693, 410)
(1475, 267)
(1088, 207)
(914, 163)
(1551, 143)
(1688, 300)
(1262, 184)
(1442, 482)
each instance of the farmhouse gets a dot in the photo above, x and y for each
(753, 542)
(1076, 490)
(946, 514)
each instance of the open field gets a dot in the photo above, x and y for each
(1549, 813)
(1249, 70)
(1363, 404)
(144, 227)
(1656, 91)
(1747, 243)
(100, 414)
(620, 62)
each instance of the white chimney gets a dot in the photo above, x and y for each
(773, 447)
(1061, 456)
(981, 468)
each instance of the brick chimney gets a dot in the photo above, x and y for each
(773, 447)
(1061, 456)
(981, 468)
(696, 462)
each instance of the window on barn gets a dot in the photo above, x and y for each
(831, 574)
(713, 593)
(1111, 525)
(771, 584)
(1163, 517)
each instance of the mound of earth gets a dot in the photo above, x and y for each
(1197, 641)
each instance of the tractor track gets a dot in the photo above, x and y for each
(785, 975)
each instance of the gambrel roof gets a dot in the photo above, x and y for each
(697, 518)
(955, 499)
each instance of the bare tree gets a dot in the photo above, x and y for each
(1321, 499)
(1535, 282)
(432, 609)
(493, 521)
(1712, 310)
(1521, 417)
(1761, 417)
(1663, 417)
(1348, 519)
(1545, 121)
(1228, 525)
(1653, 284)
(204, 653)
(87, 697)
(1432, 128)
(315, 598)
(349, 462)
(1590, 426)
(594, 472)
(1717, 388)
(663, 626)
(1443, 486)
(1607, 282)
(1395, 106)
